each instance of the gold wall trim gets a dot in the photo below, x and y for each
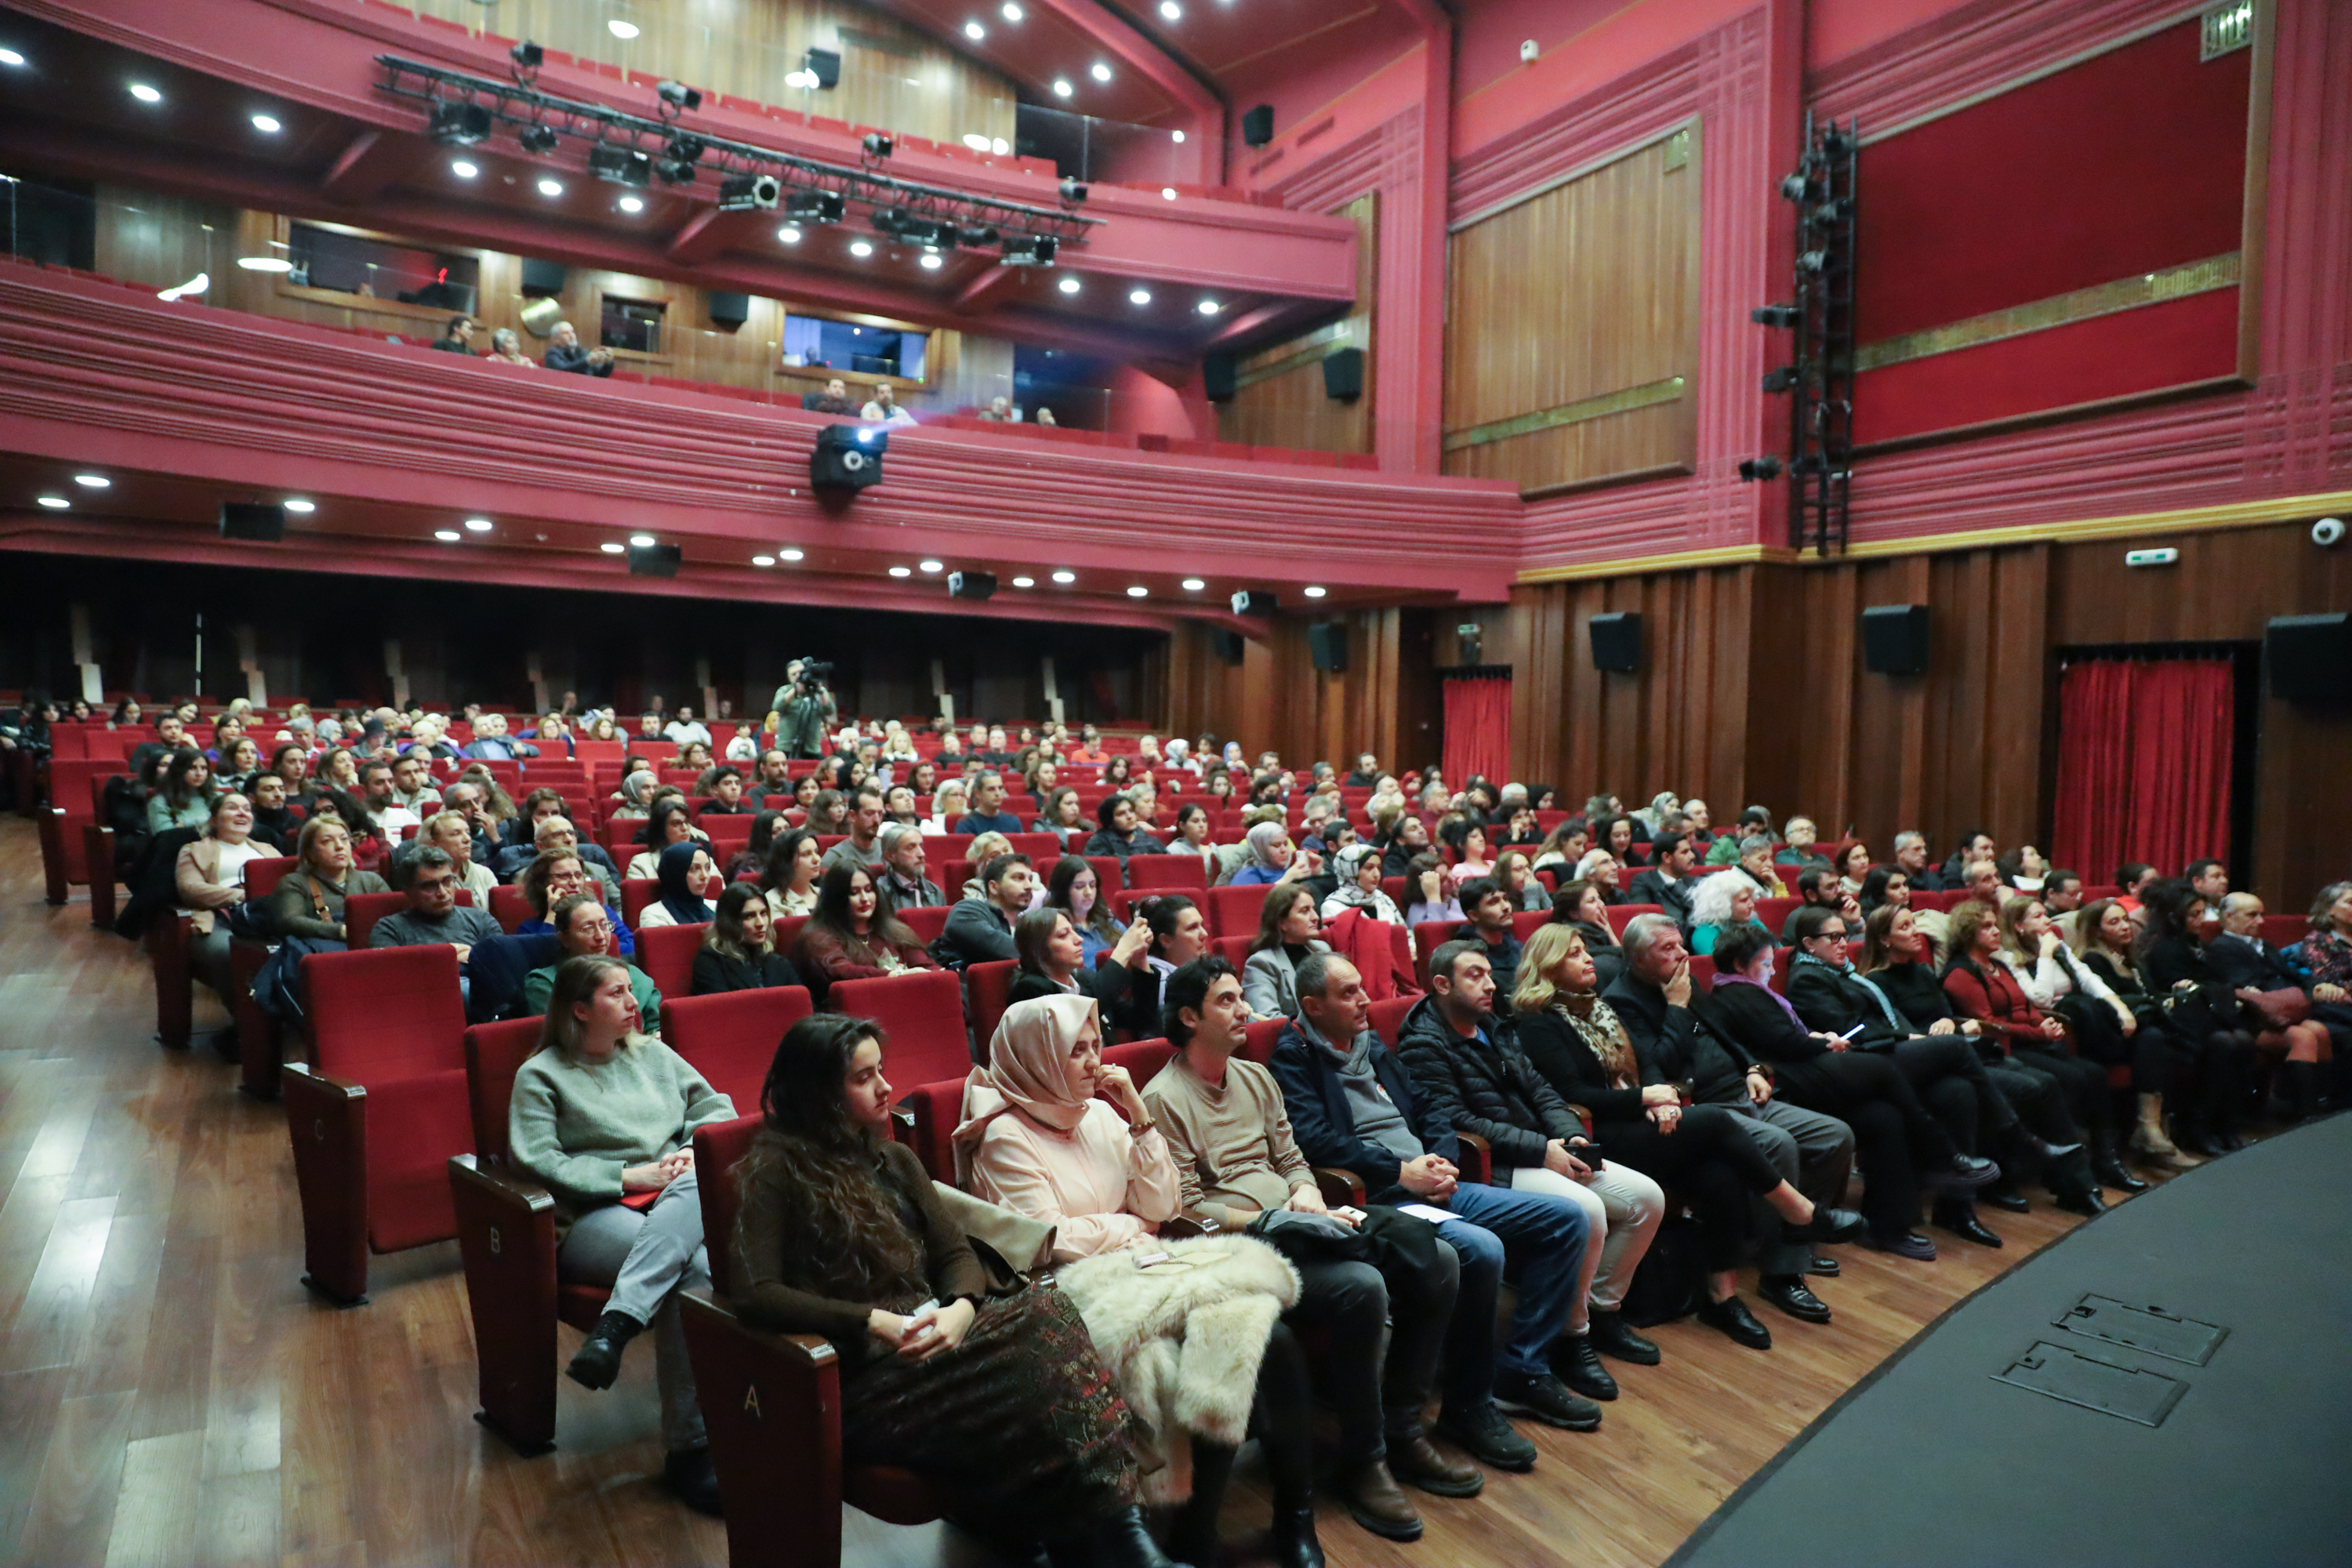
(1618, 402)
(1319, 345)
(1680, 560)
(2060, 309)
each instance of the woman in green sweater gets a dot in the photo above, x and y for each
(605, 1115)
(583, 929)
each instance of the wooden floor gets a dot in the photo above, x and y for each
(169, 1393)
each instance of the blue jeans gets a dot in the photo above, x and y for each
(1540, 1241)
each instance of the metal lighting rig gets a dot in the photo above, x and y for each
(1820, 374)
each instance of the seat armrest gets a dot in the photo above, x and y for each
(326, 1119)
(98, 862)
(52, 825)
(772, 1404)
(506, 1236)
(1338, 1187)
(1477, 1158)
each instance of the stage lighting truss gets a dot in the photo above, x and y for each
(1819, 376)
(631, 148)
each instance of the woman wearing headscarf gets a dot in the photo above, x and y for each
(1357, 920)
(1270, 856)
(1180, 755)
(682, 873)
(1359, 868)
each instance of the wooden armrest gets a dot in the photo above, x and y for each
(772, 1403)
(1583, 1114)
(1477, 1158)
(1338, 1186)
(506, 1236)
(326, 1119)
(52, 825)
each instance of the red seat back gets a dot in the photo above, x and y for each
(1043, 849)
(1141, 1058)
(1702, 968)
(509, 906)
(935, 1109)
(731, 1038)
(1258, 1038)
(636, 892)
(380, 1016)
(1622, 915)
(922, 1013)
(361, 910)
(494, 1054)
(991, 985)
(1107, 872)
(1233, 950)
(719, 1147)
(1234, 912)
(1775, 913)
(1388, 1017)
(2286, 931)
(927, 922)
(262, 877)
(666, 955)
(944, 846)
(1177, 873)
(1527, 922)
(1427, 938)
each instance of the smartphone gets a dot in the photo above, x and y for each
(1851, 1033)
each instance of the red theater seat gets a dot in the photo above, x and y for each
(1172, 873)
(991, 986)
(666, 955)
(1234, 912)
(922, 1014)
(731, 1038)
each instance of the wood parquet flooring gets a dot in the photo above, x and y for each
(170, 1394)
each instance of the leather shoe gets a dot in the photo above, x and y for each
(1414, 1460)
(598, 1361)
(1965, 1174)
(1548, 1400)
(2042, 1149)
(1732, 1317)
(1960, 1219)
(1612, 1336)
(1378, 1503)
(1828, 1225)
(1787, 1292)
(1122, 1540)
(2082, 1201)
(1490, 1438)
(2203, 1143)
(692, 1476)
(1907, 1243)
(1574, 1362)
(2006, 1200)
(2111, 1173)
(1293, 1538)
(1827, 1267)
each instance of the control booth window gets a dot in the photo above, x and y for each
(635, 324)
(813, 343)
(347, 263)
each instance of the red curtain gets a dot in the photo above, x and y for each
(1478, 728)
(2143, 763)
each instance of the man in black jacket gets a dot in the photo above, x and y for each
(565, 352)
(2250, 964)
(1667, 883)
(1352, 1104)
(980, 930)
(1911, 855)
(1120, 833)
(1490, 925)
(1466, 1063)
(1814, 1152)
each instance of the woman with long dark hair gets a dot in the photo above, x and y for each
(737, 952)
(1075, 889)
(1000, 1404)
(186, 796)
(2199, 1003)
(854, 935)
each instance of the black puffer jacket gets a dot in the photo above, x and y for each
(1491, 1089)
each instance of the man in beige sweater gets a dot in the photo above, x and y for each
(1236, 1161)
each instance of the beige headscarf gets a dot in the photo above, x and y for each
(1024, 1073)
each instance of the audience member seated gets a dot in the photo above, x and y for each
(1046, 943)
(1120, 834)
(583, 928)
(1518, 880)
(988, 813)
(851, 935)
(1579, 907)
(980, 927)
(737, 954)
(1911, 854)
(2023, 869)
(726, 794)
(433, 915)
(1802, 846)
(450, 832)
(842, 1234)
(458, 337)
(413, 787)
(564, 351)
(682, 877)
(1489, 924)
(492, 744)
(208, 878)
(885, 408)
(506, 348)
(556, 875)
(1409, 839)
(1724, 901)
(605, 1115)
(1974, 844)
(185, 797)
(2274, 993)
(863, 844)
(1357, 868)
(2199, 999)
(669, 825)
(1853, 870)
(1075, 889)
(2169, 1064)
(2098, 1026)
(834, 399)
(308, 902)
(1730, 849)
(790, 874)
(904, 861)
(1887, 884)
(1428, 899)
(1668, 882)
(1289, 928)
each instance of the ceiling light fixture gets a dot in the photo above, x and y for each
(789, 234)
(11, 58)
(930, 566)
(1179, 137)
(303, 507)
(267, 124)
(265, 264)
(609, 548)
(861, 249)
(188, 291)
(788, 556)
(478, 524)
(1024, 582)
(457, 124)
(1099, 72)
(92, 481)
(1065, 578)
(1167, 193)
(631, 204)
(1012, 12)
(56, 503)
(974, 31)
(551, 187)
(1210, 306)
(1062, 87)
(145, 94)
(1138, 592)
(1139, 296)
(931, 262)
(1172, 11)
(763, 561)
(900, 571)
(642, 541)
(975, 141)
(621, 30)
(1315, 593)
(462, 169)
(1193, 585)
(447, 535)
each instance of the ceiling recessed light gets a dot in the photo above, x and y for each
(900, 571)
(1000, 146)
(1172, 11)
(1024, 582)
(1099, 72)
(1065, 578)
(1062, 87)
(56, 503)
(931, 262)
(447, 535)
(1315, 593)
(1179, 135)
(930, 566)
(303, 507)
(551, 187)
(609, 548)
(789, 234)
(462, 169)
(763, 561)
(267, 124)
(974, 31)
(1167, 193)
(1193, 585)
(1138, 592)
(620, 29)
(1139, 296)
(861, 250)
(92, 481)
(975, 141)
(145, 94)
(642, 541)
(1067, 285)
(788, 556)
(631, 204)
(11, 58)
(477, 524)
(1210, 306)
(1012, 12)
(265, 264)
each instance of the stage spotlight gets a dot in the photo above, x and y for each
(1794, 187)
(877, 145)
(823, 68)
(975, 236)
(679, 155)
(1777, 316)
(1782, 379)
(1073, 192)
(749, 193)
(537, 139)
(1030, 250)
(460, 125)
(527, 56)
(620, 165)
(1751, 468)
(813, 206)
(676, 96)
(847, 458)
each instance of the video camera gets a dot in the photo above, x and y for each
(814, 673)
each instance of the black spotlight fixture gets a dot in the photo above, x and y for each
(620, 165)
(655, 560)
(1071, 191)
(814, 206)
(528, 57)
(676, 96)
(1752, 469)
(1782, 379)
(1795, 187)
(1813, 261)
(537, 139)
(823, 67)
(877, 145)
(460, 125)
(848, 457)
(749, 193)
(1030, 249)
(976, 237)
(1777, 316)
(970, 585)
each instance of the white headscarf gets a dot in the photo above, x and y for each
(1024, 1073)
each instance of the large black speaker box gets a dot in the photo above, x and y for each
(729, 309)
(1228, 644)
(1617, 641)
(541, 277)
(1894, 639)
(970, 585)
(1258, 125)
(1253, 602)
(1327, 641)
(655, 560)
(2310, 657)
(1343, 374)
(1217, 377)
(264, 522)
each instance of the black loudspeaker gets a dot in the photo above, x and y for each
(1327, 641)
(262, 522)
(1617, 641)
(542, 277)
(1343, 374)
(970, 585)
(826, 66)
(848, 457)
(1249, 602)
(1217, 377)
(1258, 125)
(655, 560)
(2310, 657)
(1227, 643)
(729, 310)
(1894, 639)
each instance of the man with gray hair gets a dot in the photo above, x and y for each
(903, 882)
(492, 743)
(1814, 1152)
(564, 353)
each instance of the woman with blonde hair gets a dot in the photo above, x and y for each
(950, 805)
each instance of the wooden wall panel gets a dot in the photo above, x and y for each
(1386, 702)
(1588, 290)
(1290, 408)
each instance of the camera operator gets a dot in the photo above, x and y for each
(804, 709)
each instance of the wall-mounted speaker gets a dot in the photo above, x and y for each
(1343, 374)
(1217, 377)
(542, 277)
(655, 560)
(1894, 639)
(1253, 602)
(1258, 125)
(1327, 642)
(1228, 644)
(970, 585)
(825, 65)
(263, 522)
(2310, 657)
(729, 309)
(1616, 641)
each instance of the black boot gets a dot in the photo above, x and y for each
(1960, 1217)
(1292, 1539)
(1119, 1540)
(2299, 1088)
(2082, 1200)
(694, 1478)
(598, 1362)
(1574, 1362)
(1192, 1539)
(2110, 1171)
